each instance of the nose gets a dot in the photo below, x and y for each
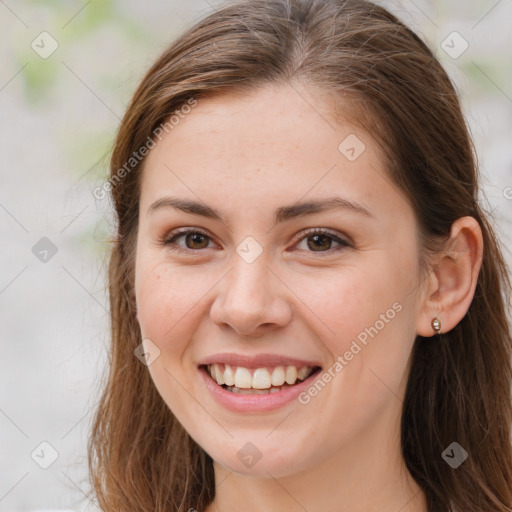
(251, 299)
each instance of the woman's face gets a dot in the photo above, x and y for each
(252, 293)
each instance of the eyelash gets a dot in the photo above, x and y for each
(170, 239)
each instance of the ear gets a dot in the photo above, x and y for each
(453, 278)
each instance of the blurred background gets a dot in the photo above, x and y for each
(68, 69)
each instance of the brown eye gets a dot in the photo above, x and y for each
(320, 242)
(194, 240)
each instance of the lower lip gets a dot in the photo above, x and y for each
(254, 403)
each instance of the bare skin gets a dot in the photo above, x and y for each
(246, 156)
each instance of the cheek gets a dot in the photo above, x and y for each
(168, 307)
(168, 299)
(365, 323)
(346, 300)
(364, 312)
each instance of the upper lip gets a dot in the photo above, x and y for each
(256, 361)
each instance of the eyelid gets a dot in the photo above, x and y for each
(323, 231)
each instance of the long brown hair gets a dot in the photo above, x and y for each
(140, 458)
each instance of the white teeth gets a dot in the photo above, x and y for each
(291, 375)
(278, 377)
(219, 376)
(259, 378)
(243, 378)
(303, 373)
(229, 378)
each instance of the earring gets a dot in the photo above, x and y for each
(436, 325)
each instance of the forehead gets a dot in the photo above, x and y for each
(278, 140)
(283, 118)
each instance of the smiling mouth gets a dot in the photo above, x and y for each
(258, 381)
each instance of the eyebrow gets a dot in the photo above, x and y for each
(282, 214)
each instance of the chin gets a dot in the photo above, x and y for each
(262, 460)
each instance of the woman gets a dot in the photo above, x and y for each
(309, 306)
